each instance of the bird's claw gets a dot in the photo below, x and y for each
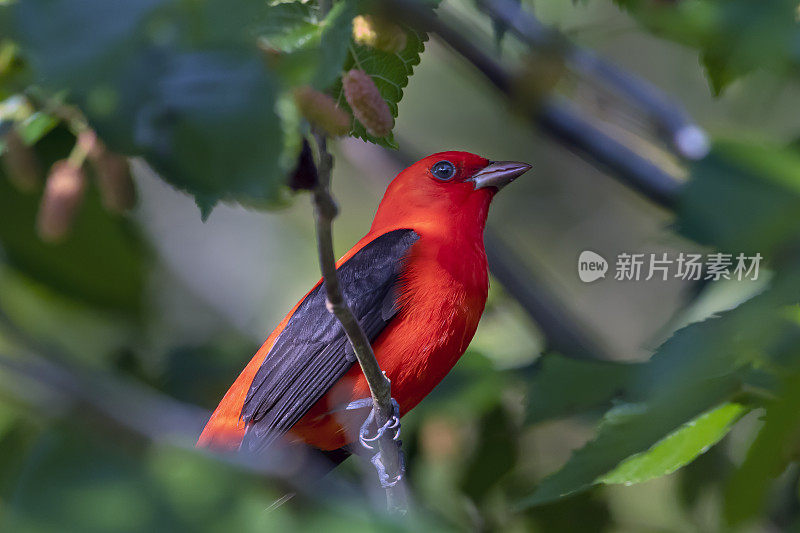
(393, 425)
(370, 443)
(384, 479)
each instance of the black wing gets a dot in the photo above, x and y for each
(312, 352)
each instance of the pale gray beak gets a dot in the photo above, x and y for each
(499, 174)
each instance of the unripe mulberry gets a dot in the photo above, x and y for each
(20, 163)
(62, 197)
(113, 174)
(321, 110)
(379, 33)
(368, 105)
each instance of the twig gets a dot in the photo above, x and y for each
(325, 210)
(552, 117)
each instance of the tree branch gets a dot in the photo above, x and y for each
(671, 119)
(325, 210)
(553, 117)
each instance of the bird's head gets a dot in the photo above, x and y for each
(446, 191)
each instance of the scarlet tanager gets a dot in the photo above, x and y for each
(417, 283)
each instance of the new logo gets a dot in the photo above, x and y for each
(591, 266)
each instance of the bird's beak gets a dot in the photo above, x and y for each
(499, 174)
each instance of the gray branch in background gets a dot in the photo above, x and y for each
(670, 118)
(556, 117)
(325, 211)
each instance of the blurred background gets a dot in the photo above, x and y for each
(170, 307)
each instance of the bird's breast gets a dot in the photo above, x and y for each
(444, 290)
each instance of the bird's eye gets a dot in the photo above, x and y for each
(443, 170)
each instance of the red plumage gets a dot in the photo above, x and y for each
(443, 285)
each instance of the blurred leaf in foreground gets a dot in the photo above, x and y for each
(562, 386)
(494, 456)
(73, 480)
(756, 199)
(699, 368)
(180, 83)
(303, 49)
(734, 37)
(777, 444)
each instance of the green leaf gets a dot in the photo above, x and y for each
(777, 444)
(74, 479)
(334, 40)
(31, 124)
(563, 386)
(700, 367)
(743, 198)
(678, 448)
(180, 83)
(626, 430)
(36, 126)
(734, 37)
(308, 51)
(102, 262)
(719, 73)
(212, 129)
(389, 71)
(287, 24)
(494, 456)
(13, 72)
(587, 513)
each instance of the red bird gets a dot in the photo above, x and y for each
(417, 282)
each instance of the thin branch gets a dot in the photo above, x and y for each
(553, 117)
(325, 210)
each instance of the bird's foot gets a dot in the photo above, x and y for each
(385, 480)
(392, 427)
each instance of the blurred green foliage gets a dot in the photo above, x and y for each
(177, 82)
(200, 90)
(734, 37)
